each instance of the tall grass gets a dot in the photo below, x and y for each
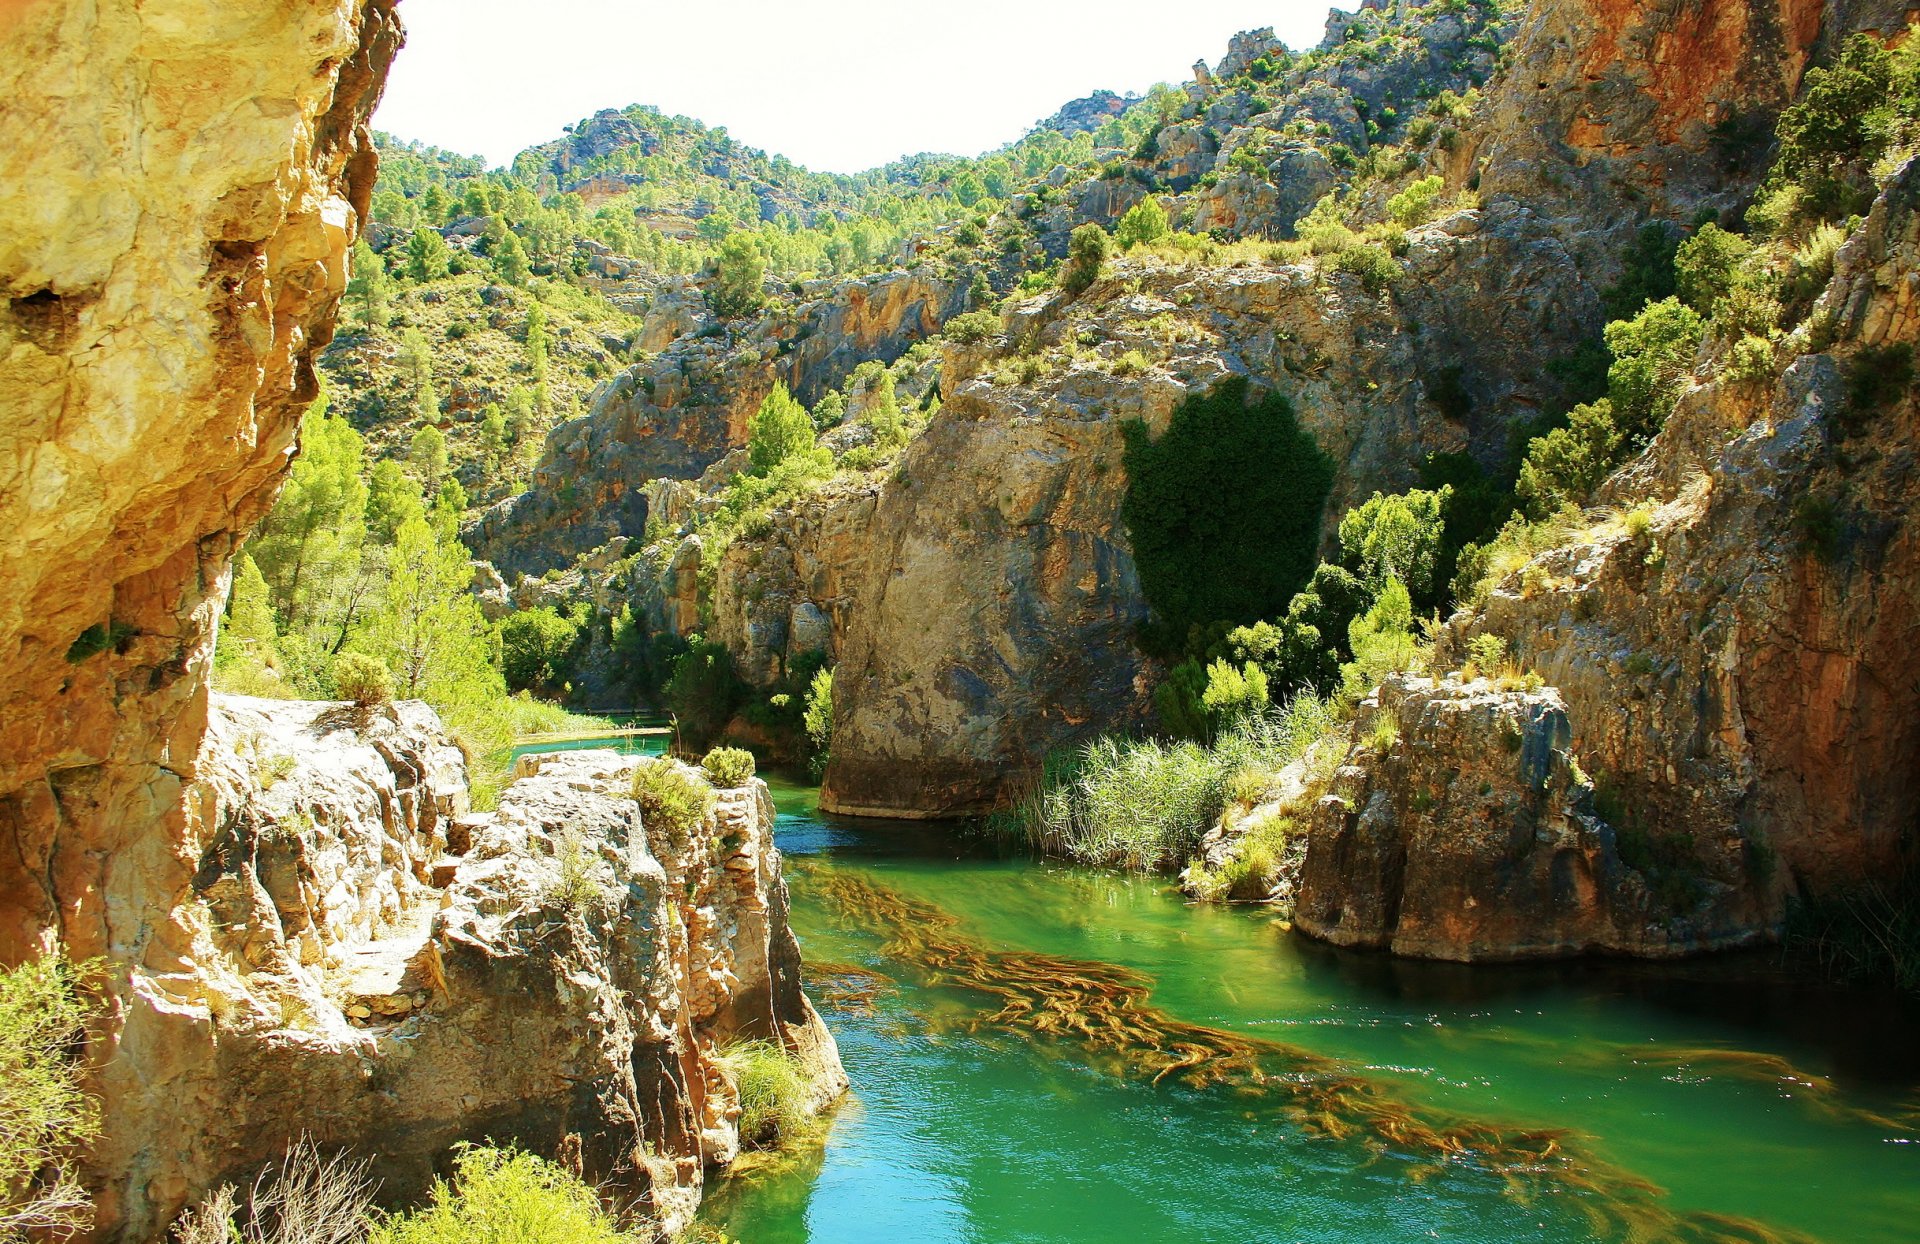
(774, 1093)
(45, 1117)
(1144, 804)
(1870, 933)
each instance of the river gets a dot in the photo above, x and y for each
(1053, 1055)
(1341, 1098)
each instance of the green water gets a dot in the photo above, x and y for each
(630, 745)
(960, 1133)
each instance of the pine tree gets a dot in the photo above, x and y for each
(250, 631)
(369, 287)
(781, 430)
(392, 501)
(739, 273)
(427, 258)
(429, 630)
(312, 536)
(428, 453)
(510, 259)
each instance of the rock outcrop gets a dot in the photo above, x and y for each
(368, 964)
(1732, 665)
(680, 412)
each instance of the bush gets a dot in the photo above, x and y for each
(774, 1094)
(1564, 467)
(973, 327)
(302, 1199)
(728, 767)
(1398, 537)
(536, 649)
(1145, 804)
(1877, 377)
(1087, 253)
(1235, 693)
(1414, 205)
(44, 1116)
(818, 720)
(1223, 510)
(1144, 224)
(502, 1196)
(1373, 265)
(1707, 265)
(781, 429)
(672, 799)
(702, 691)
(363, 679)
(739, 275)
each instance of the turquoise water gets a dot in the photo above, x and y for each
(630, 745)
(1644, 1102)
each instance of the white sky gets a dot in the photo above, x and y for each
(836, 85)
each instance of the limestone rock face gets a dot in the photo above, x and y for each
(679, 413)
(375, 967)
(1472, 836)
(1736, 684)
(180, 184)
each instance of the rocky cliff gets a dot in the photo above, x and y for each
(180, 187)
(364, 962)
(1732, 668)
(684, 409)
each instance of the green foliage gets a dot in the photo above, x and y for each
(501, 1196)
(672, 799)
(1376, 269)
(1565, 466)
(430, 631)
(1487, 652)
(1087, 253)
(702, 691)
(509, 257)
(1707, 265)
(1653, 354)
(311, 543)
(370, 289)
(972, 327)
(883, 414)
(1843, 121)
(1877, 378)
(1235, 693)
(427, 255)
(428, 454)
(818, 720)
(736, 288)
(1144, 224)
(1646, 271)
(1398, 537)
(1145, 804)
(1382, 642)
(781, 429)
(537, 649)
(774, 1093)
(250, 629)
(728, 767)
(1179, 702)
(393, 500)
(1223, 510)
(45, 1116)
(363, 679)
(1414, 205)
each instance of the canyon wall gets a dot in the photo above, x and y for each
(180, 184)
(1734, 676)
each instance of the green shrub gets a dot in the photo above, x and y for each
(1398, 537)
(1706, 266)
(1132, 363)
(728, 767)
(1223, 510)
(1144, 224)
(672, 799)
(45, 1117)
(973, 327)
(1235, 693)
(1487, 652)
(1087, 253)
(1565, 466)
(1372, 264)
(363, 679)
(1877, 378)
(1414, 205)
(503, 1196)
(818, 721)
(774, 1093)
(702, 691)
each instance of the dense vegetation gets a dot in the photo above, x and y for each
(45, 1117)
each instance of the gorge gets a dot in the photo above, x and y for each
(1167, 615)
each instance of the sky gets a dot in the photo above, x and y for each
(836, 85)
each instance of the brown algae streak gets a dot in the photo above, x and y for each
(1105, 1010)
